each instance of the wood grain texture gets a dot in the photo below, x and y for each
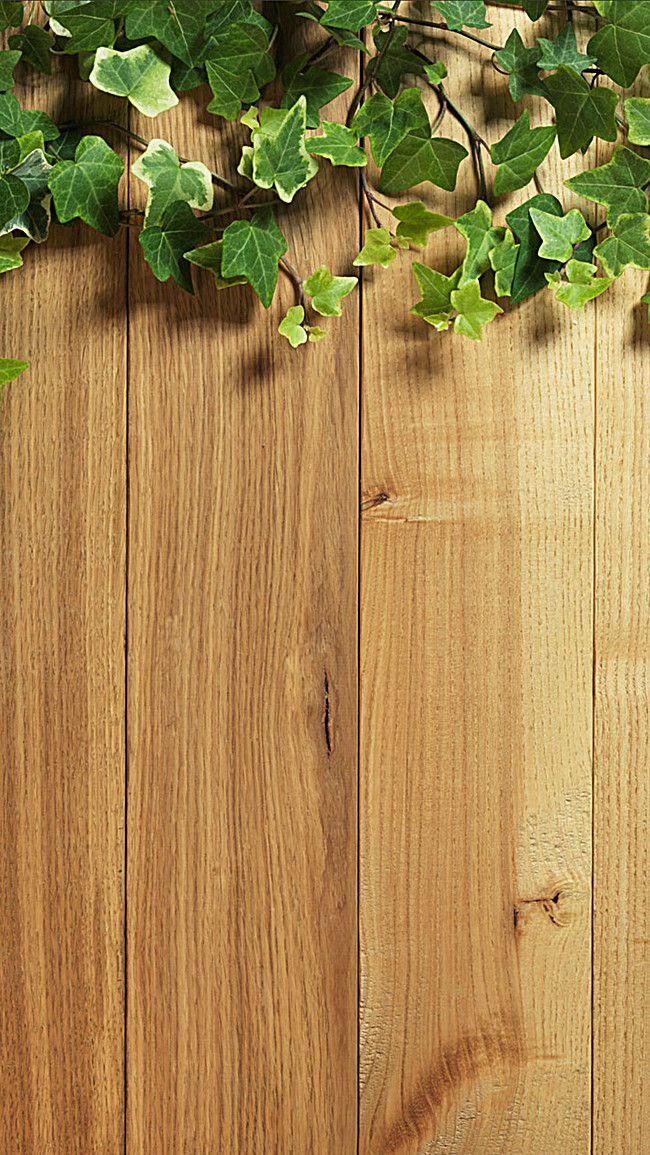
(62, 556)
(476, 715)
(242, 704)
(622, 733)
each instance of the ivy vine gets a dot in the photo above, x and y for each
(150, 52)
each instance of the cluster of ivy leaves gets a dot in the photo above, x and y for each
(150, 52)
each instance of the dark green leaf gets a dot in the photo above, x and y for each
(457, 13)
(14, 198)
(530, 269)
(34, 171)
(582, 112)
(35, 44)
(622, 47)
(563, 50)
(338, 144)
(11, 14)
(179, 26)
(209, 257)
(386, 122)
(164, 245)
(519, 153)
(521, 65)
(8, 61)
(393, 62)
(417, 159)
(252, 249)
(535, 8)
(315, 84)
(86, 187)
(618, 184)
(16, 121)
(350, 14)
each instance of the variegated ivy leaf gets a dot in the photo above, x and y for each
(377, 249)
(34, 171)
(637, 111)
(327, 291)
(291, 326)
(560, 235)
(10, 252)
(279, 158)
(619, 184)
(338, 144)
(629, 244)
(139, 74)
(503, 260)
(580, 286)
(168, 180)
(86, 187)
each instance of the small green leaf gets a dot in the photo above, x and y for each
(315, 84)
(618, 184)
(11, 14)
(165, 244)
(291, 326)
(168, 180)
(559, 235)
(563, 50)
(350, 14)
(628, 245)
(36, 45)
(481, 236)
(519, 154)
(9, 370)
(377, 249)
(580, 286)
(338, 144)
(473, 310)
(231, 89)
(582, 112)
(8, 61)
(387, 121)
(435, 72)
(637, 111)
(209, 257)
(138, 74)
(252, 249)
(327, 291)
(522, 66)
(435, 306)
(14, 198)
(503, 259)
(86, 187)
(622, 47)
(417, 159)
(417, 223)
(279, 157)
(456, 13)
(393, 61)
(10, 250)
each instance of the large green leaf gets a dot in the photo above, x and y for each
(86, 187)
(252, 249)
(315, 84)
(530, 268)
(519, 154)
(350, 14)
(417, 159)
(393, 61)
(168, 180)
(238, 66)
(618, 185)
(16, 121)
(522, 66)
(178, 26)
(457, 13)
(560, 234)
(563, 50)
(279, 158)
(622, 47)
(637, 111)
(139, 74)
(481, 237)
(628, 245)
(338, 144)
(11, 14)
(165, 244)
(36, 45)
(582, 112)
(386, 122)
(8, 61)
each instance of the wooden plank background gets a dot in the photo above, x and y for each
(183, 919)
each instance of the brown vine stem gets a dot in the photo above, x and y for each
(371, 199)
(296, 280)
(442, 28)
(476, 142)
(217, 179)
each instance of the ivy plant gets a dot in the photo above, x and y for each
(227, 225)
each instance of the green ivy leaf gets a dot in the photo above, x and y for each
(34, 171)
(481, 236)
(580, 286)
(16, 121)
(178, 26)
(86, 187)
(559, 234)
(503, 259)
(637, 111)
(622, 47)
(530, 268)
(165, 244)
(563, 50)
(393, 62)
(138, 74)
(618, 184)
(417, 159)
(338, 144)
(629, 244)
(291, 326)
(14, 198)
(327, 291)
(350, 14)
(11, 14)
(231, 89)
(435, 72)
(209, 257)
(85, 27)
(315, 84)
(416, 223)
(239, 64)
(534, 9)
(473, 310)
(8, 61)
(645, 300)
(456, 13)
(519, 154)
(386, 122)
(168, 180)
(279, 158)
(10, 250)
(36, 45)
(377, 249)
(9, 370)
(252, 249)
(435, 306)
(521, 64)
(582, 112)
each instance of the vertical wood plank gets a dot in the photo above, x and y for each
(62, 559)
(622, 733)
(476, 712)
(242, 703)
